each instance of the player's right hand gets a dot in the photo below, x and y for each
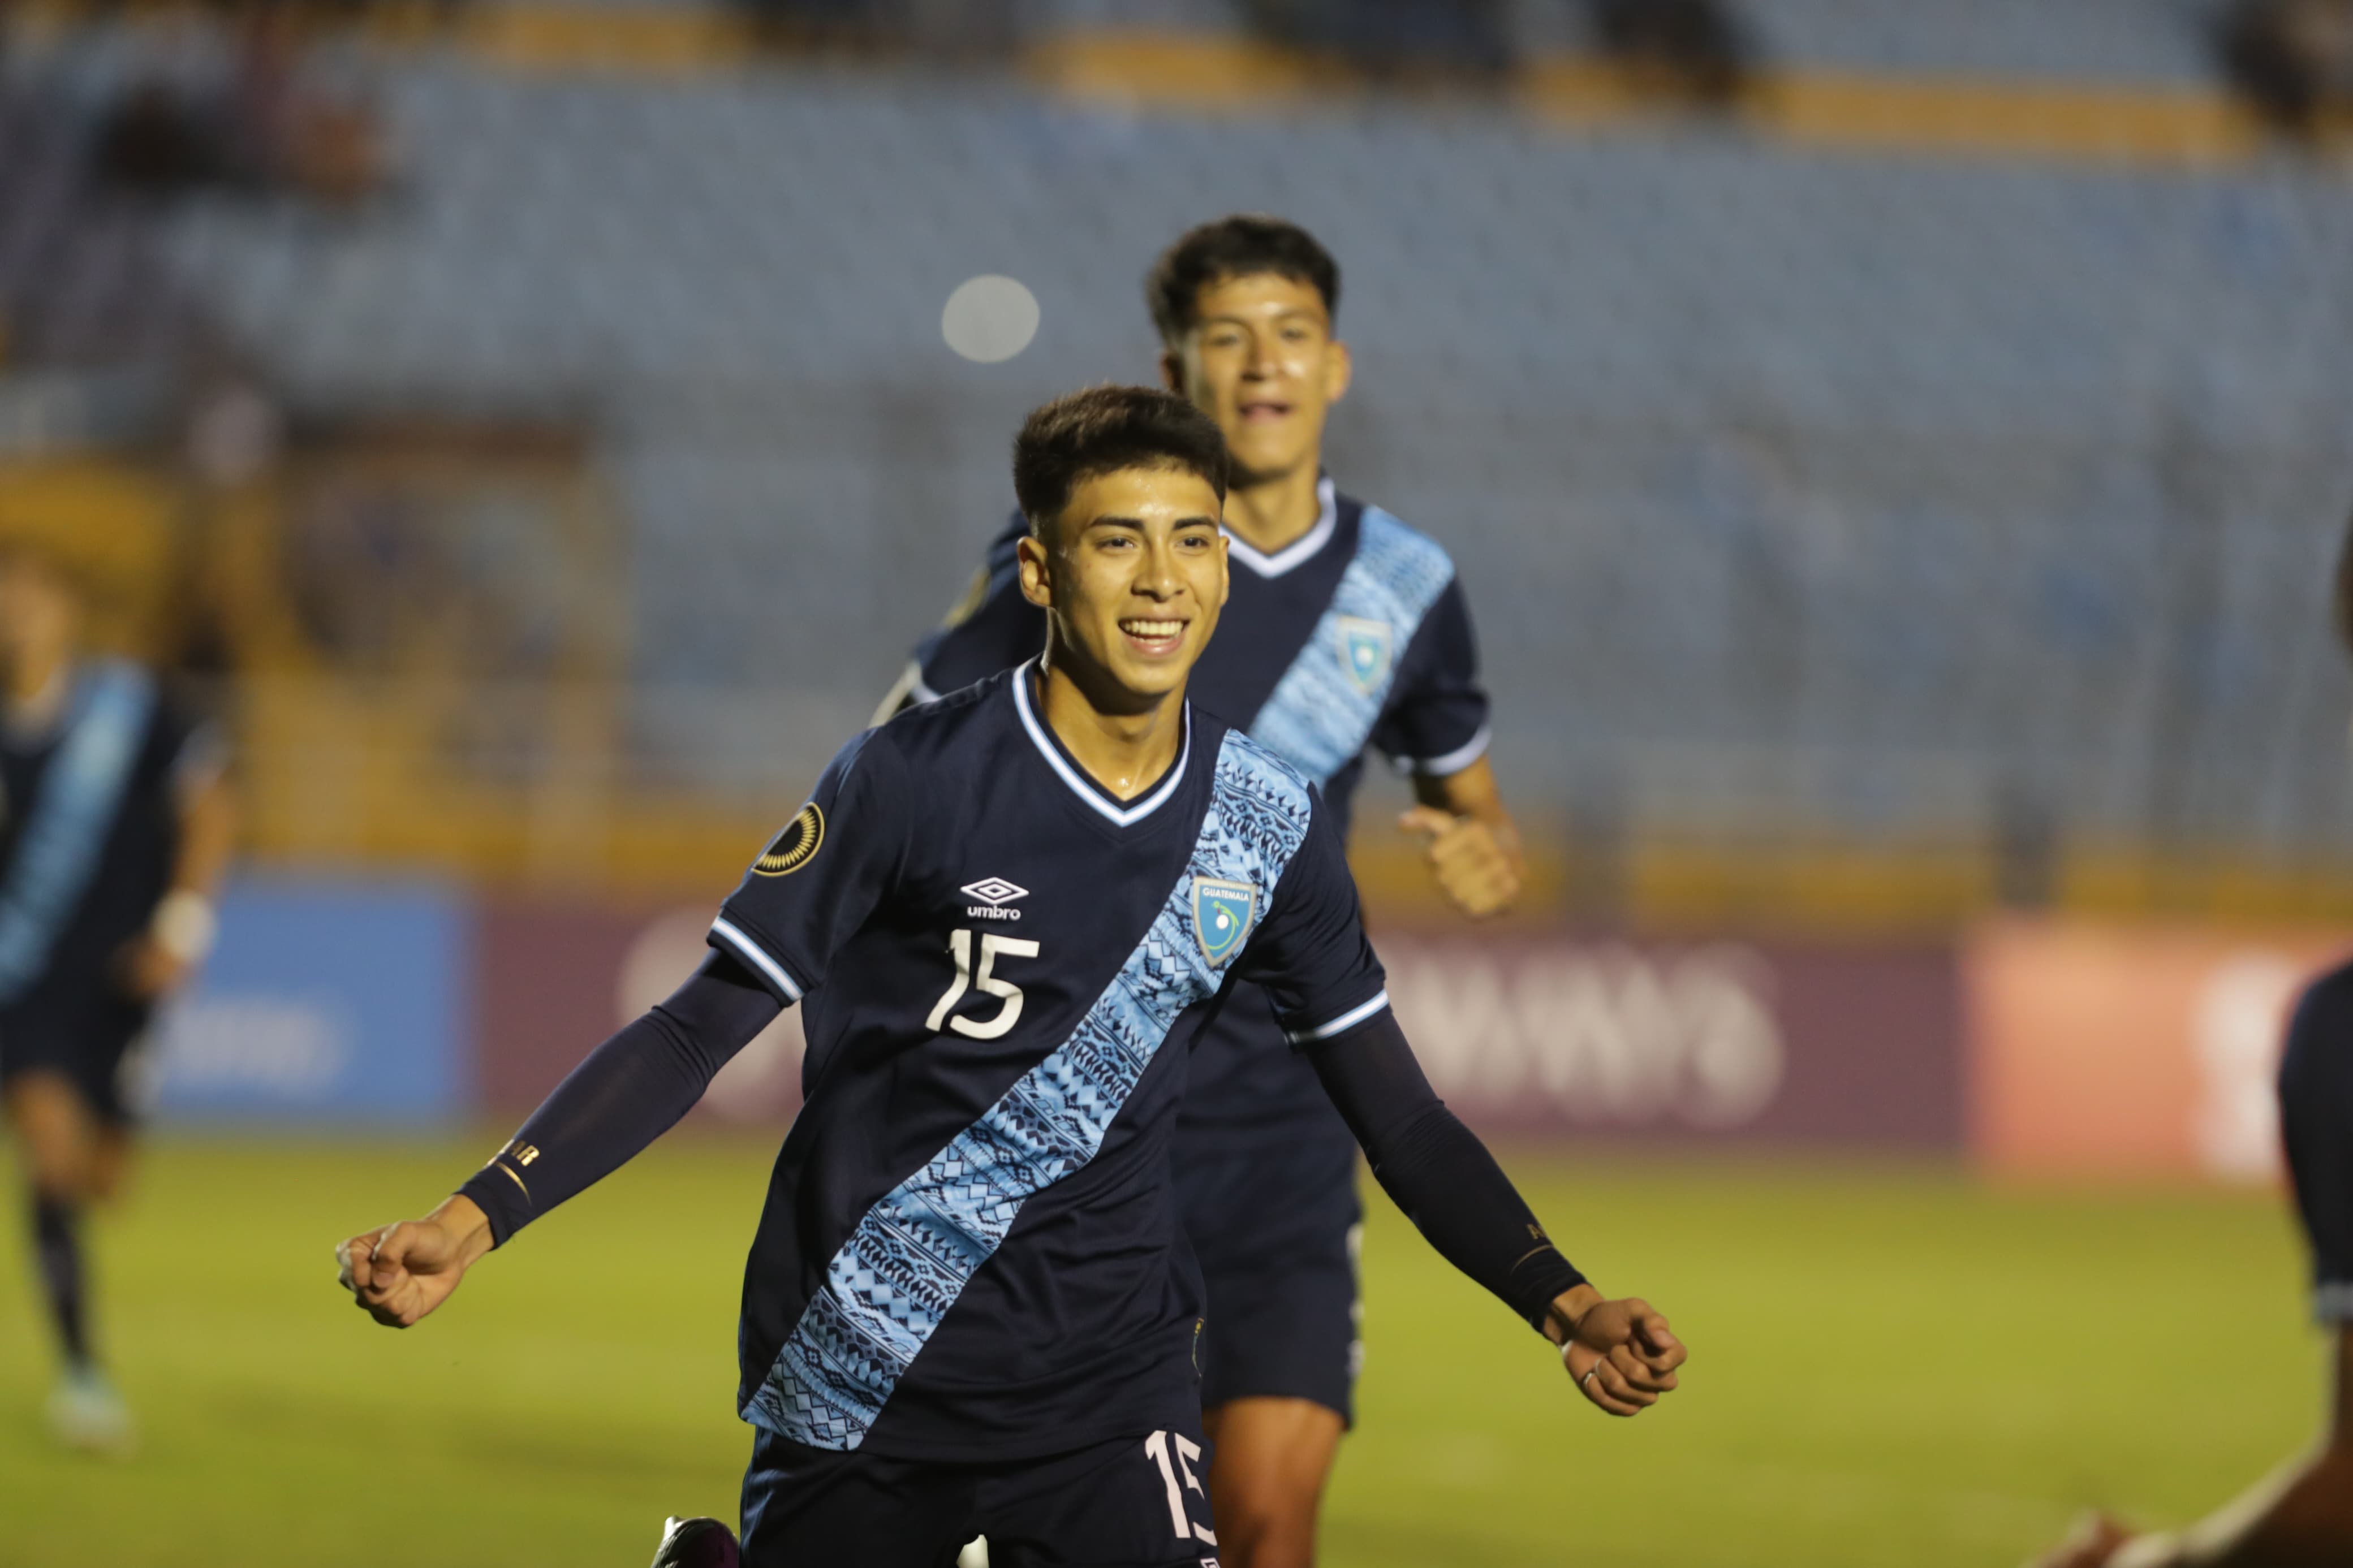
(398, 1273)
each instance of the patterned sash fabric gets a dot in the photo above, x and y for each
(1324, 708)
(894, 1281)
(72, 816)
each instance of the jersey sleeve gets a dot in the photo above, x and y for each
(1310, 951)
(181, 752)
(1436, 720)
(814, 884)
(992, 628)
(2316, 1120)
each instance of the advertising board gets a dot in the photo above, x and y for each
(323, 1003)
(1698, 1042)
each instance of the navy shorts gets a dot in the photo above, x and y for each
(1130, 1502)
(88, 1037)
(1275, 1224)
(2316, 1088)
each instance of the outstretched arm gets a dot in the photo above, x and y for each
(1622, 1354)
(630, 1092)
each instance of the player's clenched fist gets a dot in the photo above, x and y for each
(398, 1273)
(1477, 867)
(1622, 1354)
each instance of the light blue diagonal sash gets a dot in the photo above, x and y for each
(72, 815)
(1323, 712)
(893, 1282)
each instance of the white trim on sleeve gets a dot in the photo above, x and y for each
(752, 952)
(1341, 1025)
(1453, 761)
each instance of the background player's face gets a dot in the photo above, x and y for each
(1133, 576)
(1262, 360)
(38, 614)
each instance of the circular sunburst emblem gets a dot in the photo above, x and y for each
(796, 846)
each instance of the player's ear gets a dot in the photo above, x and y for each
(1339, 370)
(1037, 577)
(1172, 370)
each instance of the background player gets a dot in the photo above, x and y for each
(970, 1306)
(2302, 1517)
(1347, 629)
(118, 828)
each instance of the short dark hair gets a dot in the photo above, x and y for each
(1237, 247)
(1101, 430)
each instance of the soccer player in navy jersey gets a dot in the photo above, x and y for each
(2302, 1517)
(1348, 632)
(115, 828)
(970, 1307)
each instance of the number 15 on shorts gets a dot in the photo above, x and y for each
(1174, 1453)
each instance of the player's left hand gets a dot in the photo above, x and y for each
(2094, 1542)
(1623, 1356)
(150, 970)
(1477, 867)
(400, 1273)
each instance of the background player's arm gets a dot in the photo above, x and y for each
(181, 933)
(1470, 840)
(1436, 727)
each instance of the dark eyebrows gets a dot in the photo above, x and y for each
(1292, 314)
(1136, 524)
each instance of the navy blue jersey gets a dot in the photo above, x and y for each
(2316, 1117)
(88, 830)
(970, 1247)
(1355, 637)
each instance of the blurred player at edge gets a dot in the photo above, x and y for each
(970, 1307)
(2302, 1517)
(117, 827)
(1347, 629)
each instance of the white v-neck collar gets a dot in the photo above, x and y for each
(1300, 551)
(1081, 785)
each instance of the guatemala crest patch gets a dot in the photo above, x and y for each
(1222, 914)
(1364, 651)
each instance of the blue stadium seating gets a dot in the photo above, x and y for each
(1792, 489)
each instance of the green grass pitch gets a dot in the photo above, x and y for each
(1891, 1365)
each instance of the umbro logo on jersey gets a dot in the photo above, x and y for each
(994, 893)
(1364, 651)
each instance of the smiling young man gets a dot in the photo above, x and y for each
(1347, 631)
(970, 1307)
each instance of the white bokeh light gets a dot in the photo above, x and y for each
(989, 319)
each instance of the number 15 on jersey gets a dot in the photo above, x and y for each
(984, 980)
